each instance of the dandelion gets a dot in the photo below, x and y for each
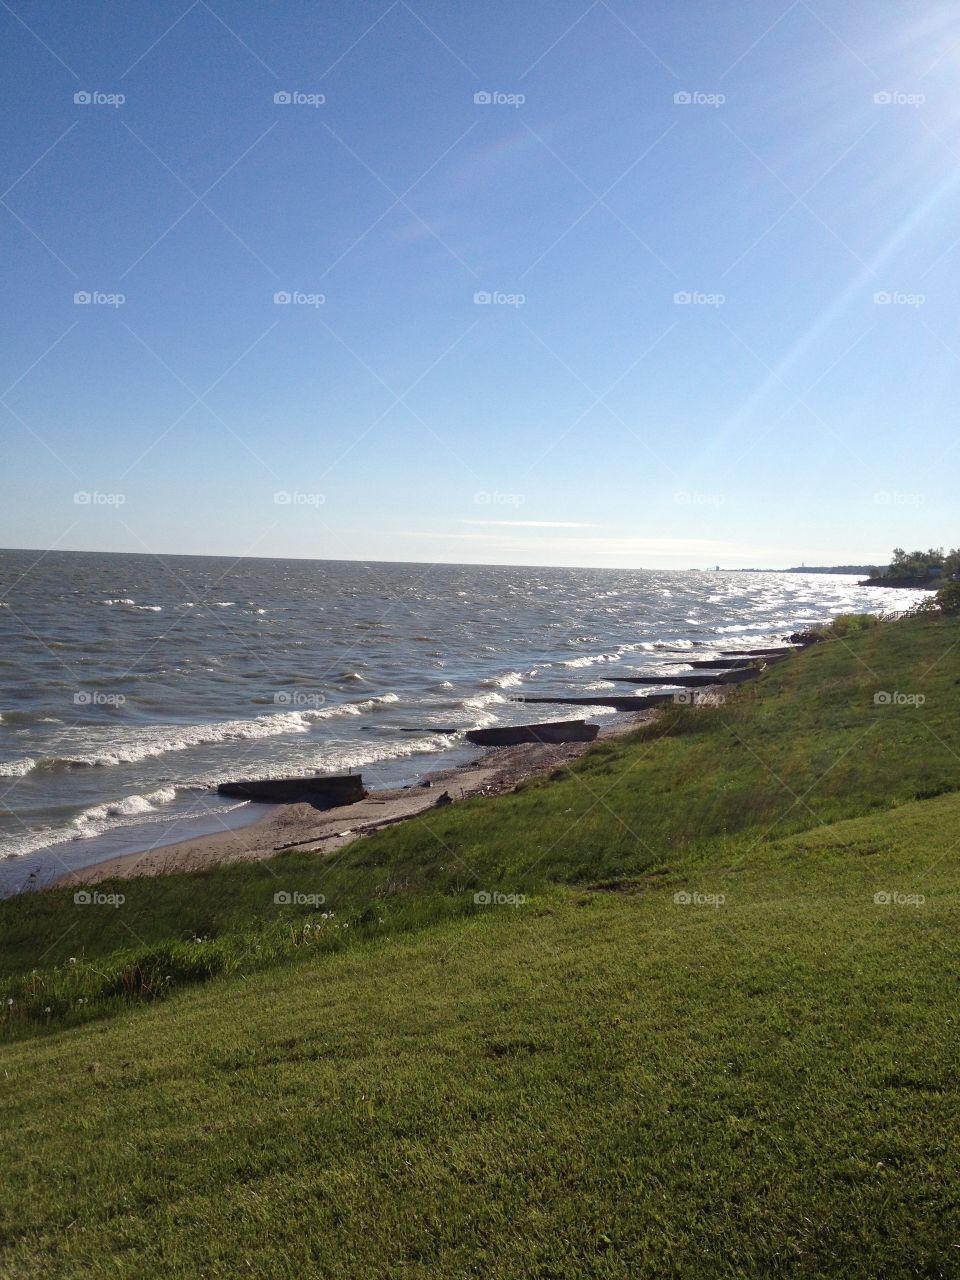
(48, 1009)
(72, 960)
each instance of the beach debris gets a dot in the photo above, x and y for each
(625, 703)
(550, 731)
(442, 799)
(323, 791)
(735, 676)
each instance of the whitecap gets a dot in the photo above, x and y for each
(17, 768)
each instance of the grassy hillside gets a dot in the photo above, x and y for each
(719, 1039)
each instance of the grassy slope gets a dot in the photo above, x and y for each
(600, 1083)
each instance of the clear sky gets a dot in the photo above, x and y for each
(793, 169)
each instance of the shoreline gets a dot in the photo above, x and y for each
(299, 826)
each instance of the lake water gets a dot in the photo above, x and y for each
(130, 686)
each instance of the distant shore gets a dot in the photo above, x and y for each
(904, 584)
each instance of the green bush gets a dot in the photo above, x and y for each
(948, 598)
(847, 624)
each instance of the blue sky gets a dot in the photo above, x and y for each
(719, 245)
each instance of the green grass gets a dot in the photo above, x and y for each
(603, 1082)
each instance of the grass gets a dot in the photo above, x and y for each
(757, 1077)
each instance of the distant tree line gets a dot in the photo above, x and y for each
(920, 568)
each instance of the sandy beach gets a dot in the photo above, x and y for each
(300, 826)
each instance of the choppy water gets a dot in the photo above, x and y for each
(130, 686)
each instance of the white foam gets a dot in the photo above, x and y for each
(128, 745)
(17, 768)
(483, 699)
(591, 660)
(129, 807)
(507, 681)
